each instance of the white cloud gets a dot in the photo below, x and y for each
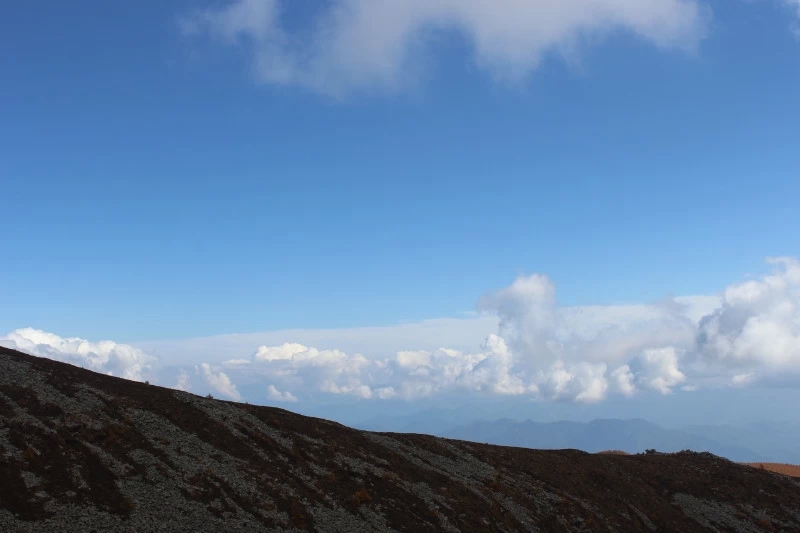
(623, 380)
(742, 379)
(277, 396)
(794, 6)
(220, 382)
(578, 354)
(757, 325)
(236, 362)
(183, 382)
(296, 365)
(415, 360)
(570, 350)
(355, 388)
(531, 347)
(417, 374)
(348, 45)
(659, 369)
(581, 382)
(379, 342)
(283, 352)
(105, 356)
(8, 343)
(386, 393)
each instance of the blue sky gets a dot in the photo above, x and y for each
(171, 171)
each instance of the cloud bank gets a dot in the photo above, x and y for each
(107, 357)
(749, 334)
(352, 45)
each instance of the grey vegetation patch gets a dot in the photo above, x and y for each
(435, 502)
(10, 403)
(519, 513)
(30, 479)
(90, 399)
(794, 513)
(762, 515)
(337, 520)
(713, 515)
(360, 466)
(319, 471)
(467, 468)
(423, 492)
(77, 478)
(232, 417)
(8, 449)
(311, 440)
(109, 461)
(644, 518)
(375, 520)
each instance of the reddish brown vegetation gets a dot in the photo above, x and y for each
(361, 496)
(297, 515)
(778, 468)
(613, 452)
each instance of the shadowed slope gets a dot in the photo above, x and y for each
(82, 451)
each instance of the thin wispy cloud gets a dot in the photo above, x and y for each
(794, 7)
(356, 45)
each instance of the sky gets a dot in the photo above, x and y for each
(298, 202)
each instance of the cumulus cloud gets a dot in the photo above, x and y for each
(659, 369)
(571, 356)
(277, 396)
(580, 354)
(183, 382)
(107, 357)
(220, 382)
(495, 369)
(360, 44)
(622, 380)
(757, 327)
(748, 334)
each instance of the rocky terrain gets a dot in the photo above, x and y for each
(81, 451)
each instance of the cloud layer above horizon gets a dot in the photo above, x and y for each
(107, 357)
(748, 334)
(354, 45)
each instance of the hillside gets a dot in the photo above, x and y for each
(81, 451)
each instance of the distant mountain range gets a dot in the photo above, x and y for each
(632, 436)
(766, 441)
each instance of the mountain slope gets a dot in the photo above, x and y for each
(631, 436)
(81, 451)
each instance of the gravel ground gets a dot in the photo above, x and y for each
(84, 452)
